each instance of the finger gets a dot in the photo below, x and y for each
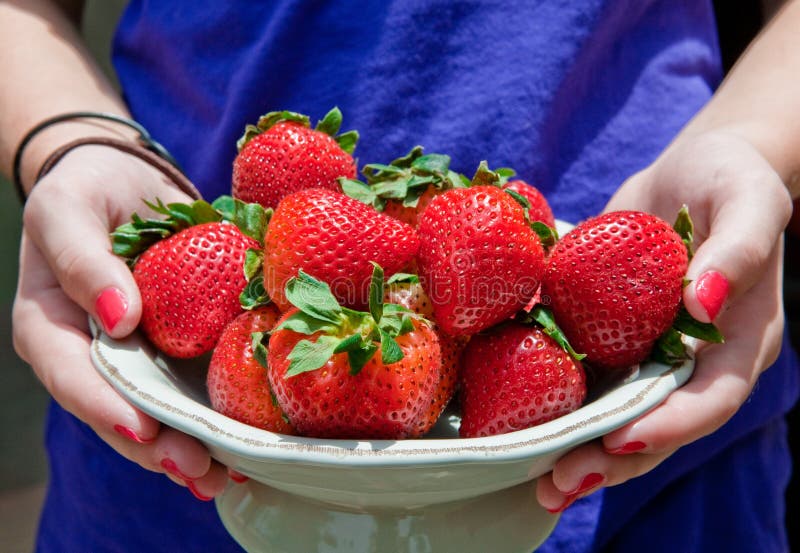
(588, 468)
(724, 374)
(188, 462)
(742, 235)
(72, 234)
(50, 334)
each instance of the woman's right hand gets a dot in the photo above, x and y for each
(67, 270)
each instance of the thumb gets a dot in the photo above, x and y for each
(78, 251)
(744, 230)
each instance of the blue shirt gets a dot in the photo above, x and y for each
(576, 96)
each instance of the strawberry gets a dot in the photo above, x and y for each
(237, 382)
(282, 154)
(539, 209)
(515, 376)
(406, 290)
(614, 284)
(333, 237)
(339, 373)
(190, 269)
(479, 259)
(405, 187)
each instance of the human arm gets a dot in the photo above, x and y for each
(736, 165)
(66, 265)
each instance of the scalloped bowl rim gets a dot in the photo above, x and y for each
(144, 378)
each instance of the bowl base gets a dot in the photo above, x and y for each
(264, 519)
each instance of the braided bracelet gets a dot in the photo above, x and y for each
(145, 148)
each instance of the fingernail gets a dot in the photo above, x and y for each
(171, 467)
(237, 477)
(630, 447)
(711, 290)
(110, 307)
(195, 492)
(568, 500)
(131, 435)
(589, 481)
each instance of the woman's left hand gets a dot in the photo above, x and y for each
(740, 208)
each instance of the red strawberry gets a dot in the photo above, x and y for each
(339, 373)
(282, 154)
(334, 238)
(479, 259)
(190, 269)
(190, 285)
(539, 209)
(408, 292)
(237, 382)
(614, 284)
(405, 187)
(515, 376)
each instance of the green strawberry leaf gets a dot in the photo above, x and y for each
(331, 123)
(258, 344)
(378, 171)
(403, 278)
(253, 261)
(359, 191)
(310, 356)
(225, 206)
(313, 297)
(376, 293)
(131, 239)
(486, 177)
(252, 219)
(254, 294)
(406, 325)
(669, 349)
(547, 235)
(303, 323)
(393, 189)
(685, 229)
(348, 141)
(521, 200)
(690, 326)
(390, 350)
(359, 357)
(267, 121)
(432, 163)
(352, 342)
(545, 318)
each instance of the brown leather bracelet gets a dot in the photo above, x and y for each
(167, 169)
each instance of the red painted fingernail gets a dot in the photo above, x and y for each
(195, 492)
(568, 500)
(171, 467)
(711, 290)
(630, 447)
(110, 307)
(589, 481)
(237, 477)
(131, 435)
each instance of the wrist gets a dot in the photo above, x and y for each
(142, 147)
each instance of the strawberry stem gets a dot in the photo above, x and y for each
(405, 179)
(357, 333)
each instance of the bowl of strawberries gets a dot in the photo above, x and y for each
(393, 361)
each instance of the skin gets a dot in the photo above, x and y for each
(64, 267)
(735, 164)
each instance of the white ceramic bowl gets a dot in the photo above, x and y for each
(436, 494)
